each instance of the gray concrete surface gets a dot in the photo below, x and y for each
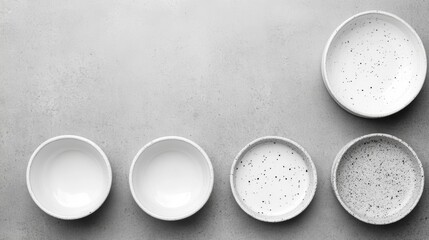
(221, 73)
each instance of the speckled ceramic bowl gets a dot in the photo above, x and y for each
(273, 179)
(377, 178)
(374, 64)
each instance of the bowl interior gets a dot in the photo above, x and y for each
(379, 179)
(273, 179)
(171, 179)
(69, 178)
(375, 65)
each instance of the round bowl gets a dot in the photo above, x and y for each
(374, 64)
(171, 178)
(69, 177)
(273, 179)
(377, 178)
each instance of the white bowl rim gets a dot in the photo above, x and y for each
(337, 161)
(75, 137)
(325, 75)
(249, 146)
(207, 161)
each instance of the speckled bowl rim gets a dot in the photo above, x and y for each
(327, 48)
(85, 140)
(207, 193)
(311, 188)
(338, 159)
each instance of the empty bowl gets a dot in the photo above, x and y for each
(273, 179)
(69, 177)
(171, 178)
(377, 178)
(374, 64)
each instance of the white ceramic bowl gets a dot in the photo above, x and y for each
(171, 178)
(273, 179)
(69, 177)
(374, 64)
(377, 178)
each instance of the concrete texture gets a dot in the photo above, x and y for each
(221, 73)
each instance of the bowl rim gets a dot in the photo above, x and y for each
(107, 165)
(312, 187)
(327, 48)
(209, 187)
(338, 159)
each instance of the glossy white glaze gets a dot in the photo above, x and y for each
(69, 177)
(171, 178)
(378, 178)
(374, 64)
(273, 179)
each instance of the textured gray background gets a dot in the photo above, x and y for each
(221, 73)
